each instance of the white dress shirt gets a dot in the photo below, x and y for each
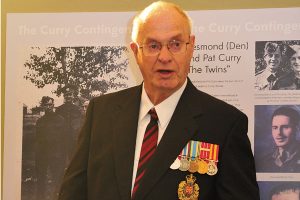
(164, 112)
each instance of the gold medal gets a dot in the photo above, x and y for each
(203, 167)
(193, 166)
(189, 189)
(212, 168)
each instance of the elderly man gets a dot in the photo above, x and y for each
(159, 140)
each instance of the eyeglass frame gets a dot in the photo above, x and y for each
(167, 45)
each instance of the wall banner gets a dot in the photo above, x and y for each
(57, 62)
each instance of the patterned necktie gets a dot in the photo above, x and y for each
(147, 150)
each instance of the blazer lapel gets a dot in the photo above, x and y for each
(180, 130)
(126, 120)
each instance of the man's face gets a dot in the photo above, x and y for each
(282, 130)
(165, 72)
(273, 60)
(48, 106)
(288, 195)
(295, 63)
(68, 96)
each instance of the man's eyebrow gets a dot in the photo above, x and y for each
(179, 36)
(149, 40)
(175, 37)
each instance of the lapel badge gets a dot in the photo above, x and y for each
(189, 189)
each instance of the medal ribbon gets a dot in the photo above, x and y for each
(208, 151)
(185, 151)
(193, 153)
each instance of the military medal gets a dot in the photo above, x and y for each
(202, 166)
(193, 154)
(176, 164)
(209, 153)
(193, 166)
(196, 156)
(189, 189)
(184, 164)
(212, 168)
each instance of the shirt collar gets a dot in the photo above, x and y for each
(165, 109)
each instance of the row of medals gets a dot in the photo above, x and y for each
(193, 165)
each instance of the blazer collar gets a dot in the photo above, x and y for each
(124, 138)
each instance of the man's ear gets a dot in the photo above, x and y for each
(192, 42)
(134, 48)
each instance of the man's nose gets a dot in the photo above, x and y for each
(280, 131)
(164, 55)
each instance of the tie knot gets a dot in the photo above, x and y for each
(271, 78)
(153, 114)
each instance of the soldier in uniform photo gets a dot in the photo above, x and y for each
(269, 78)
(286, 155)
(50, 152)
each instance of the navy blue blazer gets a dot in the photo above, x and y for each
(102, 166)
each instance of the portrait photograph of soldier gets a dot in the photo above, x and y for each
(277, 138)
(277, 65)
(281, 190)
(52, 117)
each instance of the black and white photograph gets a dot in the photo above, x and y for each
(277, 65)
(62, 80)
(277, 138)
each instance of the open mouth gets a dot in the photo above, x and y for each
(163, 71)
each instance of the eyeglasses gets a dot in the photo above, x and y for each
(153, 48)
